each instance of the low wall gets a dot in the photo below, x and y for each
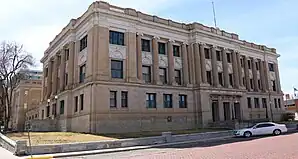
(166, 137)
(16, 147)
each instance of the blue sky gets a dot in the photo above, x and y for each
(35, 23)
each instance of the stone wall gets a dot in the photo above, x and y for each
(16, 147)
(166, 137)
(45, 125)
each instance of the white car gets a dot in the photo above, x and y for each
(265, 128)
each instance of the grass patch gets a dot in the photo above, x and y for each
(158, 133)
(40, 138)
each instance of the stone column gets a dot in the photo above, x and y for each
(255, 75)
(171, 69)
(198, 72)
(277, 78)
(91, 52)
(185, 65)
(246, 73)
(44, 93)
(155, 69)
(103, 54)
(55, 75)
(139, 56)
(266, 75)
(225, 68)
(62, 71)
(191, 65)
(262, 76)
(214, 67)
(235, 69)
(132, 57)
(240, 75)
(203, 63)
(70, 67)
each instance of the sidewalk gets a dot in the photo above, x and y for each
(93, 152)
(6, 154)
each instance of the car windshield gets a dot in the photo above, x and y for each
(250, 126)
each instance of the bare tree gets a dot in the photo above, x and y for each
(13, 58)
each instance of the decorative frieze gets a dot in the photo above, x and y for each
(178, 63)
(147, 58)
(163, 60)
(82, 56)
(117, 52)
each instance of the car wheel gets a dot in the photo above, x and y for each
(276, 132)
(247, 134)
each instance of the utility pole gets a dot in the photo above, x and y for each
(214, 16)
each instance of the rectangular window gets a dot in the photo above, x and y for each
(66, 54)
(259, 84)
(163, 75)
(227, 111)
(279, 103)
(82, 73)
(42, 114)
(124, 100)
(229, 57)
(46, 72)
(207, 54)
(244, 81)
(231, 79)
(83, 43)
(146, 74)
(151, 100)
(146, 45)
(257, 65)
(242, 62)
(167, 100)
(249, 64)
(161, 48)
(251, 83)
(264, 102)
(248, 102)
(48, 111)
(59, 60)
(275, 102)
(182, 101)
(82, 102)
(257, 103)
(76, 100)
(178, 77)
(273, 85)
(176, 50)
(62, 107)
(117, 69)
(113, 99)
(218, 57)
(66, 79)
(209, 77)
(54, 109)
(220, 78)
(116, 38)
(271, 67)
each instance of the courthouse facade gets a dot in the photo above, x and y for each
(118, 70)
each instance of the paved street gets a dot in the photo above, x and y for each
(271, 147)
(6, 154)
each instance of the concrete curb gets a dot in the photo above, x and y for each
(93, 152)
(40, 157)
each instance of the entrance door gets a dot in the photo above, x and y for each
(227, 111)
(215, 111)
(237, 111)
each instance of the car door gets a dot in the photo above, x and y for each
(268, 128)
(258, 129)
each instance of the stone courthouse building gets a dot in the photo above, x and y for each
(118, 70)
